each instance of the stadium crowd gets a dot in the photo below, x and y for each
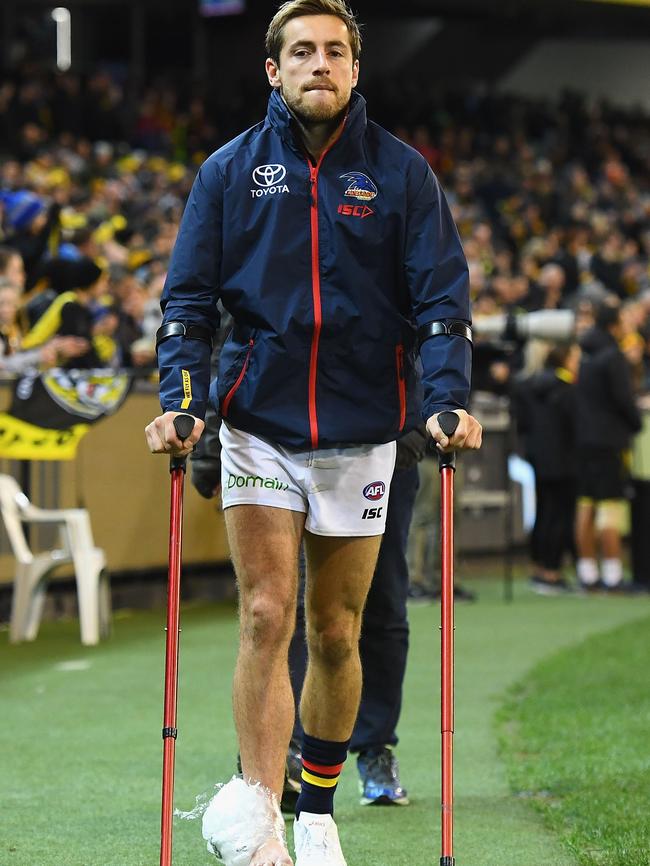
(552, 201)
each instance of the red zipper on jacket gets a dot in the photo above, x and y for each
(315, 288)
(401, 384)
(226, 400)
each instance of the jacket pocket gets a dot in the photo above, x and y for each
(225, 405)
(401, 385)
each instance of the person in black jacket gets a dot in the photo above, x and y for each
(385, 630)
(547, 422)
(608, 418)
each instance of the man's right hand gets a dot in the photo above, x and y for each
(162, 438)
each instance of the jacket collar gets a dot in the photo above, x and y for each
(279, 118)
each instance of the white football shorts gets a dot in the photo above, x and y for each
(343, 491)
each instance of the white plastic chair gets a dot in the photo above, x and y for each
(33, 569)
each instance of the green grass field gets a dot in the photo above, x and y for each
(81, 761)
(575, 736)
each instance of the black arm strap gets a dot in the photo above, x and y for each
(181, 329)
(447, 327)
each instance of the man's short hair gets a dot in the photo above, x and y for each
(298, 8)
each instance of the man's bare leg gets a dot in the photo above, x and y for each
(339, 573)
(264, 544)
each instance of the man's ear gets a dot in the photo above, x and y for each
(272, 72)
(355, 73)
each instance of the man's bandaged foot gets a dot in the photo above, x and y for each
(242, 820)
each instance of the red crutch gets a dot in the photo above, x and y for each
(448, 422)
(183, 424)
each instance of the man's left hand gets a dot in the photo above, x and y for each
(468, 435)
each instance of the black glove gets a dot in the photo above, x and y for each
(206, 476)
(411, 448)
(205, 460)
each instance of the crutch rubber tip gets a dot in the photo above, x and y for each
(447, 861)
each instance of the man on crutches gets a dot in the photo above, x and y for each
(332, 246)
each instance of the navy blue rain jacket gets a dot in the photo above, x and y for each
(327, 271)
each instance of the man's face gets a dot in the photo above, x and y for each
(15, 271)
(316, 72)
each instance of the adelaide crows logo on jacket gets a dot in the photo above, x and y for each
(360, 186)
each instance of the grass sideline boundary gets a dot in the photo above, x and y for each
(574, 735)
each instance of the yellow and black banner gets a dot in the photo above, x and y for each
(22, 441)
(52, 411)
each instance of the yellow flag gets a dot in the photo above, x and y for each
(22, 441)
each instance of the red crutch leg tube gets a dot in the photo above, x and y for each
(184, 425)
(448, 422)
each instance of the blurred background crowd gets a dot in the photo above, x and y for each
(551, 196)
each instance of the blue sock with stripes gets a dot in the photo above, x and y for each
(322, 762)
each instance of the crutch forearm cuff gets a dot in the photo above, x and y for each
(444, 327)
(183, 329)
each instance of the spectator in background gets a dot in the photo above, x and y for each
(27, 224)
(546, 420)
(607, 420)
(10, 331)
(78, 312)
(13, 359)
(12, 268)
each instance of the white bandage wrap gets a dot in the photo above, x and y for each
(239, 819)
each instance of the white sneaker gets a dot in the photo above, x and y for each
(239, 819)
(317, 841)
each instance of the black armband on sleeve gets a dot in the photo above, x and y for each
(448, 327)
(180, 329)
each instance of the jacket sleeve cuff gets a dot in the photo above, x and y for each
(447, 365)
(184, 376)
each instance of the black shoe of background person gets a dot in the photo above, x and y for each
(590, 588)
(461, 593)
(292, 773)
(543, 586)
(419, 593)
(626, 588)
(635, 587)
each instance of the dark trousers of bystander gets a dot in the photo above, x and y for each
(640, 538)
(553, 534)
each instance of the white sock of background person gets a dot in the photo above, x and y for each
(587, 571)
(612, 572)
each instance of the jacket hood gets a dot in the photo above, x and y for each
(596, 340)
(280, 118)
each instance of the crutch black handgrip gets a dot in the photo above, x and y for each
(448, 422)
(183, 425)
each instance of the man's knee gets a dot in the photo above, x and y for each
(267, 620)
(333, 641)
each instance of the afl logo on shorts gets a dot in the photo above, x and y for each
(374, 491)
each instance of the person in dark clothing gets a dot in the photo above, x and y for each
(547, 422)
(385, 631)
(28, 224)
(71, 313)
(608, 418)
